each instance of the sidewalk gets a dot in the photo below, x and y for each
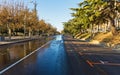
(15, 39)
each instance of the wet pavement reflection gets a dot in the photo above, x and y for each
(48, 60)
(12, 53)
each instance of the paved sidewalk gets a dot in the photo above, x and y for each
(15, 39)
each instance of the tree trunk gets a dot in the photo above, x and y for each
(24, 31)
(113, 28)
(118, 24)
(107, 27)
(91, 30)
(29, 33)
(98, 28)
(9, 32)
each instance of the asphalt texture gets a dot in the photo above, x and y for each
(92, 59)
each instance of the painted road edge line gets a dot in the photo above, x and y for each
(9, 67)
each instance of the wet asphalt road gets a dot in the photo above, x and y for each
(73, 58)
(49, 60)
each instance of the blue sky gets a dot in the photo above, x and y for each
(56, 11)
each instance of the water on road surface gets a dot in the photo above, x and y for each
(48, 60)
(14, 52)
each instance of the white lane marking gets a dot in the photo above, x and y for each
(103, 62)
(9, 67)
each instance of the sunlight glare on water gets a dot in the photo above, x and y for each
(59, 37)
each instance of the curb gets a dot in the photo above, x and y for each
(19, 41)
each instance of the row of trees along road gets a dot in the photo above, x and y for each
(91, 14)
(16, 18)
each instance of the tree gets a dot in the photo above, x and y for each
(11, 16)
(46, 28)
(92, 13)
(15, 16)
(109, 12)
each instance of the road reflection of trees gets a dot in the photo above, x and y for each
(12, 53)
